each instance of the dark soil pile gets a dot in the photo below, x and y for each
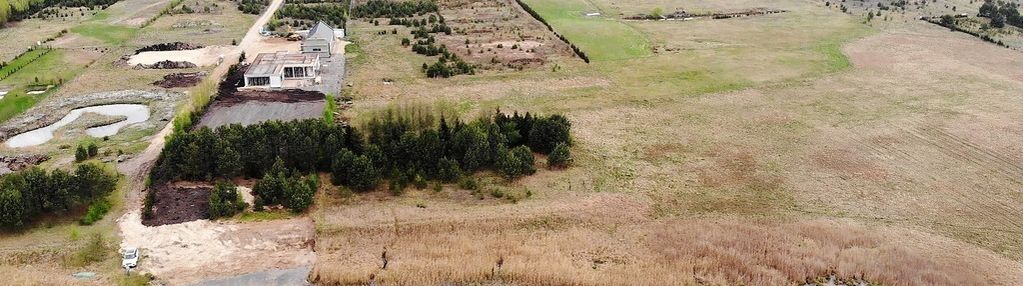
(9, 164)
(167, 65)
(177, 205)
(175, 46)
(180, 80)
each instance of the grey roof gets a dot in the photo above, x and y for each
(321, 31)
(273, 63)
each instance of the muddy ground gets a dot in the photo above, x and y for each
(48, 112)
(174, 204)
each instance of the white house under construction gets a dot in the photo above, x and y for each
(282, 69)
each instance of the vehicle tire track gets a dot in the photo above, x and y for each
(966, 200)
(964, 153)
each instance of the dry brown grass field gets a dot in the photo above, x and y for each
(779, 149)
(763, 150)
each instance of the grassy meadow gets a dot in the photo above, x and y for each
(109, 34)
(51, 68)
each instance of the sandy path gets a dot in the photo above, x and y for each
(189, 252)
(208, 56)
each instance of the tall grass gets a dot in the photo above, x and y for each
(199, 97)
(96, 249)
(329, 109)
(509, 251)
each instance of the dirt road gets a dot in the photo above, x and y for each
(195, 251)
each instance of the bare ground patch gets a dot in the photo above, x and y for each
(177, 204)
(189, 252)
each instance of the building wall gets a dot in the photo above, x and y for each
(309, 45)
(276, 81)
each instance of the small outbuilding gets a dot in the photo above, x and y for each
(282, 69)
(319, 41)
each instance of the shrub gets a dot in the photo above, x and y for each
(560, 157)
(93, 150)
(468, 183)
(96, 212)
(81, 154)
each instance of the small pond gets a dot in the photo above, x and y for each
(135, 113)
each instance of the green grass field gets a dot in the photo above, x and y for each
(50, 68)
(110, 34)
(21, 61)
(602, 39)
(16, 102)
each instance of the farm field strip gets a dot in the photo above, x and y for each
(600, 37)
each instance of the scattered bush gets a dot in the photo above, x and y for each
(96, 212)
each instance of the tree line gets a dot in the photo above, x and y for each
(31, 193)
(17, 10)
(393, 146)
(21, 61)
(578, 52)
(392, 9)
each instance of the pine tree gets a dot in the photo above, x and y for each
(81, 154)
(229, 163)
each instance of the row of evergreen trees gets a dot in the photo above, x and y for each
(392, 146)
(578, 52)
(33, 192)
(393, 9)
(8, 69)
(407, 22)
(332, 14)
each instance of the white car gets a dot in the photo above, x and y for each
(130, 258)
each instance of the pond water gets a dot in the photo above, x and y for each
(135, 112)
